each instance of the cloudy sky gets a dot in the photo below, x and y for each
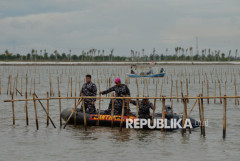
(119, 24)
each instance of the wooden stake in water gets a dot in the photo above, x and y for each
(13, 109)
(60, 109)
(84, 116)
(137, 99)
(224, 116)
(112, 112)
(163, 112)
(35, 109)
(203, 122)
(184, 115)
(47, 109)
(99, 104)
(122, 115)
(219, 85)
(177, 90)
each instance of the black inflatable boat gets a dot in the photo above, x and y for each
(106, 120)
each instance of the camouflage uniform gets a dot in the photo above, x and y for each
(89, 89)
(144, 109)
(120, 91)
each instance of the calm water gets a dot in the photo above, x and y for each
(21, 142)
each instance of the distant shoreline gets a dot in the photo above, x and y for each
(113, 63)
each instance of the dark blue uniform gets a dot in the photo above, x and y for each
(120, 91)
(89, 89)
(144, 109)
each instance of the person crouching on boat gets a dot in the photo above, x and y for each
(161, 70)
(120, 91)
(144, 108)
(150, 71)
(89, 89)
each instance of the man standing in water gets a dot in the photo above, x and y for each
(120, 91)
(89, 89)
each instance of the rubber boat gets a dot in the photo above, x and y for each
(106, 120)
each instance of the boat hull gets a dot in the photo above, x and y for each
(151, 76)
(106, 120)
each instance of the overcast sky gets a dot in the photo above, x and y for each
(119, 24)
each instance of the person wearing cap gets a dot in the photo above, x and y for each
(144, 108)
(89, 89)
(120, 91)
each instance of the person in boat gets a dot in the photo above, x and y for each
(161, 70)
(144, 108)
(89, 89)
(132, 71)
(150, 71)
(120, 91)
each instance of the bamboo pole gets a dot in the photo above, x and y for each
(163, 112)
(75, 109)
(35, 109)
(200, 112)
(112, 112)
(84, 116)
(47, 109)
(215, 94)
(26, 108)
(184, 100)
(13, 109)
(171, 89)
(137, 99)
(154, 106)
(71, 86)
(21, 85)
(203, 122)
(219, 91)
(122, 115)
(224, 117)
(52, 98)
(99, 105)
(60, 109)
(177, 89)
(207, 91)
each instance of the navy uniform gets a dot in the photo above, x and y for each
(144, 109)
(120, 91)
(89, 89)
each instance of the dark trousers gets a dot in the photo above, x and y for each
(89, 107)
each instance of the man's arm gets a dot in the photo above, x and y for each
(108, 90)
(128, 91)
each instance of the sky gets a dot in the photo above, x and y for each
(121, 25)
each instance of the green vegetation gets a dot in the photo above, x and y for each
(94, 55)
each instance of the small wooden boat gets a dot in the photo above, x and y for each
(142, 75)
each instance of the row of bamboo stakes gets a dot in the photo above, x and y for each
(13, 83)
(184, 99)
(217, 84)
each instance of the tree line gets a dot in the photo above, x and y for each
(94, 55)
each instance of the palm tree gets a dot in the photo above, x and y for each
(236, 54)
(70, 54)
(166, 54)
(103, 54)
(154, 54)
(229, 55)
(191, 52)
(32, 53)
(56, 54)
